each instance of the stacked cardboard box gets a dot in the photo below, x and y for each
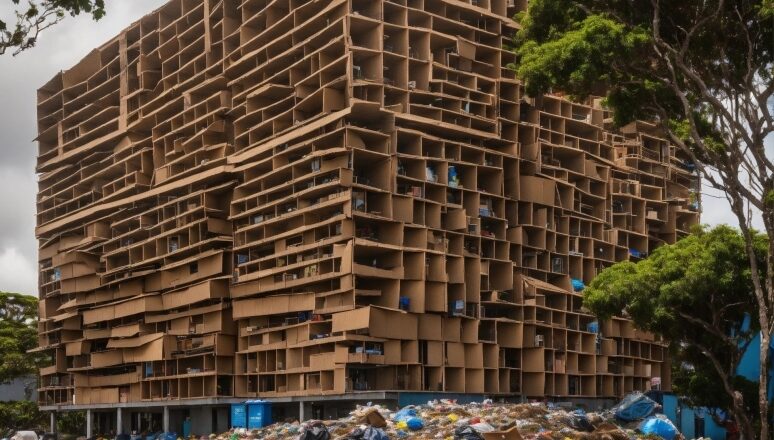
(286, 197)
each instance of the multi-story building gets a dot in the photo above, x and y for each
(287, 199)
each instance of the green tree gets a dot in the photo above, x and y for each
(702, 69)
(22, 414)
(18, 334)
(35, 16)
(698, 294)
(71, 422)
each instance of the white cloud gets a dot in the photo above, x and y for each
(17, 273)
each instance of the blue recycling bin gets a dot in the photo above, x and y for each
(258, 414)
(238, 415)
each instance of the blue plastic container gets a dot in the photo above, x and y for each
(238, 415)
(258, 414)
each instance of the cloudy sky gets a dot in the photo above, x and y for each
(59, 48)
(20, 76)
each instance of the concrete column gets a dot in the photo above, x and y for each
(165, 423)
(89, 416)
(53, 422)
(301, 417)
(119, 420)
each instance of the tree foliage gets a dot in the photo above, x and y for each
(32, 17)
(703, 70)
(698, 294)
(18, 333)
(20, 415)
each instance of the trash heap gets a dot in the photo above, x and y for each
(633, 418)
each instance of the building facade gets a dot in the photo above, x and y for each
(292, 198)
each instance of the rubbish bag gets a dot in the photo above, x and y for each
(467, 433)
(405, 414)
(482, 427)
(315, 431)
(635, 406)
(579, 421)
(659, 426)
(370, 433)
(415, 423)
(170, 436)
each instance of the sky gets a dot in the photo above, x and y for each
(59, 48)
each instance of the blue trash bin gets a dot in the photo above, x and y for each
(238, 415)
(258, 414)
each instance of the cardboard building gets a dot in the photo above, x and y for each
(273, 198)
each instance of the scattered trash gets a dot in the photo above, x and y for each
(448, 420)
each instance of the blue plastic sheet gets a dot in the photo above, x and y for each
(635, 406)
(660, 427)
(577, 285)
(415, 423)
(405, 414)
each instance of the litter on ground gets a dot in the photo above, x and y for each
(632, 419)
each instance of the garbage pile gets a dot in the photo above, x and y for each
(633, 418)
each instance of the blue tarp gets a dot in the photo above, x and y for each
(661, 427)
(635, 406)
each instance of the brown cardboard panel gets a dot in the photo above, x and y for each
(107, 358)
(273, 305)
(381, 323)
(430, 327)
(209, 289)
(511, 434)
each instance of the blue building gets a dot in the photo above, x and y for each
(698, 422)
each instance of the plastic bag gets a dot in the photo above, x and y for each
(415, 423)
(635, 406)
(482, 427)
(661, 427)
(466, 433)
(405, 414)
(315, 431)
(370, 433)
(580, 422)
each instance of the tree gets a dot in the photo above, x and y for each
(18, 333)
(698, 294)
(20, 414)
(37, 16)
(703, 70)
(71, 422)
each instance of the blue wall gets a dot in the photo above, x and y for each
(684, 418)
(749, 365)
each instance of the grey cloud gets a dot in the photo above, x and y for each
(58, 49)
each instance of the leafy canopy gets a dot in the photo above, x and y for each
(18, 333)
(698, 294)
(35, 16)
(615, 48)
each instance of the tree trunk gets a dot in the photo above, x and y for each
(763, 395)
